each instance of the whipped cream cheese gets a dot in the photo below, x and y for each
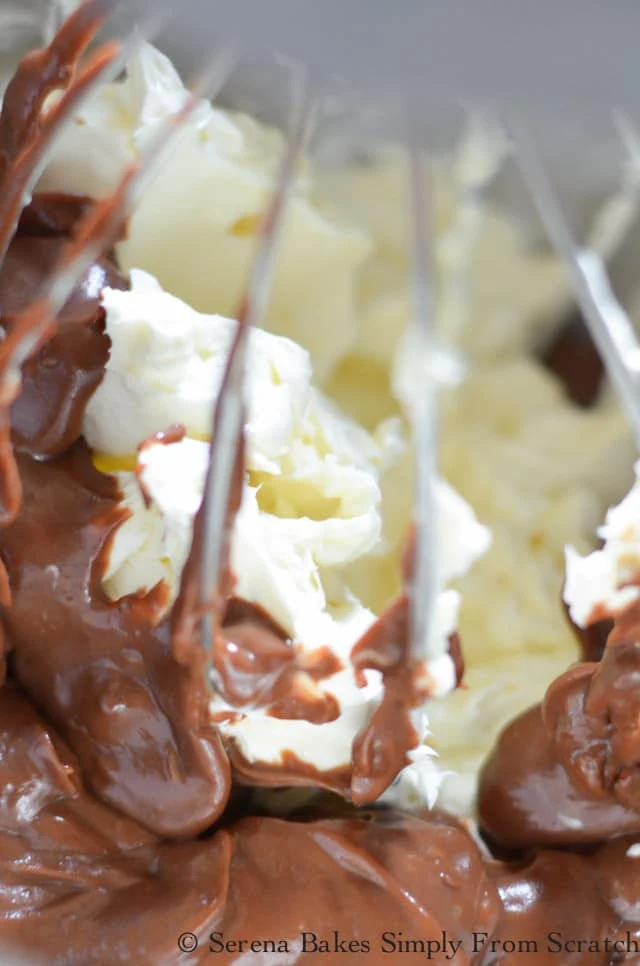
(311, 507)
(605, 582)
(166, 365)
(538, 470)
(291, 567)
(514, 447)
(195, 226)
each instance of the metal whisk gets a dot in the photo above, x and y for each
(406, 70)
(609, 326)
(102, 227)
(608, 323)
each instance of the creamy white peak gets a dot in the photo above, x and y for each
(279, 561)
(310, 506)
(166, 365)
(598, 585)
(195, 226)
(289, 564)
(292, 567)
(314, 472)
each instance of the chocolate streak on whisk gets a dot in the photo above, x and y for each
(98, 230)
(26, 137)
(398, 643)
(608, 323)
(423, 585)
(204, 586)
(26, 133)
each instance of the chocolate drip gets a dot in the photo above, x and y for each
(259, 668)
(567, 772)
(57, 383)
(26, 133)
(26, 130)
(593, 637)
(380, 750)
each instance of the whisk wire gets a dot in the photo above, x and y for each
(608, 323)
(229, 412)
(423, 588)
(102, 225)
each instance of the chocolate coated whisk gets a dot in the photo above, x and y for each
(423, 589)
(101, 227)
(608, 323)
(229, 412)
(205, 569)
(228, 420)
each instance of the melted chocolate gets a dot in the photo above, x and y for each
(381, 748)
(527, 798)
(259, 669)
(131, 709)
(574, 359)
(26, 130)
(339, 875)
(66, 858)
(58, 381)
(379, 752)
(578, 910)
(130, 756)
(126, 896)
(567, 772)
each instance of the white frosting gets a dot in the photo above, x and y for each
(166, 365)
(536, 469)
(195, 226)
(496, 294)
(278, 561)
(597, 585)
(540, 473)
(514, 447)
(310, 506)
